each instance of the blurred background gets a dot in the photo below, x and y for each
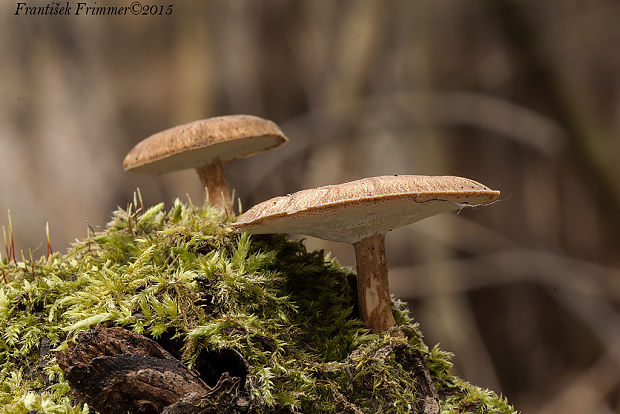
(522, 96)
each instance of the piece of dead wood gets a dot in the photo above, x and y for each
(115, 370)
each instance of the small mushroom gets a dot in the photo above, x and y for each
(361, 213)
(204, 145)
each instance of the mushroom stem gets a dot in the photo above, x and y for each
(212, 177)
(373, 289)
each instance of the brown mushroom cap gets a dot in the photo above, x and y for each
(352, 211)
(200, 142)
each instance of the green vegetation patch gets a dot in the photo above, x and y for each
(187, 280)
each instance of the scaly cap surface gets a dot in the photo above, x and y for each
(198, 143)
(351, 211)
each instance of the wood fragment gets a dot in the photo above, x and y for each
(114, 370)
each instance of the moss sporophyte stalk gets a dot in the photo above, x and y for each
(185, 278)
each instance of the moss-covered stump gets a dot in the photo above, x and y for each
(266, 325)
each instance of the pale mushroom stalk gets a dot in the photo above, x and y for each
(373, 292)
(361, 213)
(213, 179)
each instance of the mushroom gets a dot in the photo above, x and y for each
(361, 213)
(204, 145)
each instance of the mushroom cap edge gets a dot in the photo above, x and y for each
(197, 143)
(354, 210)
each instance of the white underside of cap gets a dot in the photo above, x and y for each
(196, 157)
(352, 211)
(354, 222)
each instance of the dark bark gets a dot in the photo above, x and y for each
(108, 342)
(133, 383)
(114, 370)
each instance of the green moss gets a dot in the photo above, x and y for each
(184, 276)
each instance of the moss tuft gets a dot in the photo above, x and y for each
(186, 279)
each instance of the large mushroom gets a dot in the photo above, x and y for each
(204, 145)
(361, 213)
